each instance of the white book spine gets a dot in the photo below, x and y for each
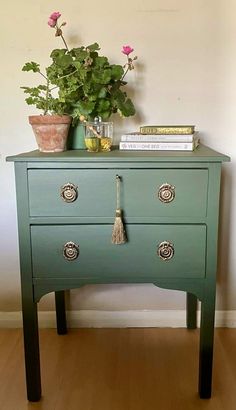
(157, 138)
(154, 146)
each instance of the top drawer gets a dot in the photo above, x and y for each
(140, 192)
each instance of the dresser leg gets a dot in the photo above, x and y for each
(206, 346)
(60, 312)
(31, 345)
(191, 311)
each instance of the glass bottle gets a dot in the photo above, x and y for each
(98, 135)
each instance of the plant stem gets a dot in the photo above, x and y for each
(127, 69)
(47, 95)
(68, 75)
(64, 41)
(53, 88)
(44, 76)
(125, 73)
(59, 30)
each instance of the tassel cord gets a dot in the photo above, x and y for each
(118, 233)
(117, 192)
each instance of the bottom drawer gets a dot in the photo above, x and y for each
(140, 257)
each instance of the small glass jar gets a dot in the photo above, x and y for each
(98, 136)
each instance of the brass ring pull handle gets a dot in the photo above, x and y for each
(69, 192)
(165, 250)
(71, 251)
(166, 193)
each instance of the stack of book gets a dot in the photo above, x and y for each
(161, 138)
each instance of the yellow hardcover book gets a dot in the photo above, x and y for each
(167, 129)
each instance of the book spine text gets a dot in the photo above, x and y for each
(155, 146)
(157, 138)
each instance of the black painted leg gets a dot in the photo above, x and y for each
(60, 312)
(206, 346)
(191, 311)
(31, 344)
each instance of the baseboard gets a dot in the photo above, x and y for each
(119, 319)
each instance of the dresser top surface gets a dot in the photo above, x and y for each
(201, 154)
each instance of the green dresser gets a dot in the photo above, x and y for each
(66, 208)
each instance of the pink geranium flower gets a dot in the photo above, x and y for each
(52, 22)
(127, 50)
(55, 15)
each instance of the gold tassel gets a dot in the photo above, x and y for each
(118, 233)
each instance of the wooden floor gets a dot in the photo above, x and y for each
(119, 369)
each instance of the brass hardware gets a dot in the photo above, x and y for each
(71, 251)
(165, 250)
(166, 193)
(69, 192)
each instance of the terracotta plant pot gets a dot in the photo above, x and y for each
(51, 131)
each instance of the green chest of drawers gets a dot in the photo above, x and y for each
(66, 206)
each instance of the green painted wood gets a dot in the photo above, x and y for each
(208, 300)
(206, 342)
(60, 312)
(29, 306)
(190, 222)
(191, 311)
(43, 286)
(114, 165)
(97, 192)
(136, 258)
(201, 154)
(61, 220)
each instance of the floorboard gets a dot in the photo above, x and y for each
(118, 369)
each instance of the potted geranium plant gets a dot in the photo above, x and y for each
(51, 128)
(87, 84)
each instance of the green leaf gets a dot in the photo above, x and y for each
(118, 96)
(64, 61)
(42, 87)
(101, 61)
(105, 115)
(30, 100)
(32, 66)
(93, 47)
(126, 108)
(77, 64)
(54, 72)
(85, 107)
(103, 105)
(93, 55)
(102, 93)
(57, 53)
(33, 91)
(117, 72)
(26, 89)
(79, 54)
(102, 77)
(92, 97)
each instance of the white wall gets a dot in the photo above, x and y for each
(185, 73)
